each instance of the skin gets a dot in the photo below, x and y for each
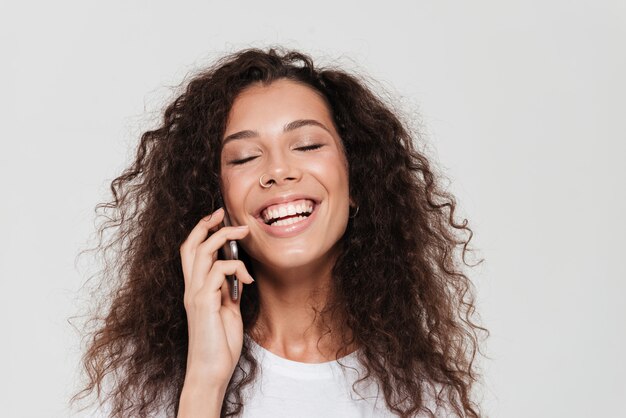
(292, 274)
(214, 320)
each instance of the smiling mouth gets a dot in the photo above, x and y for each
(288, 215)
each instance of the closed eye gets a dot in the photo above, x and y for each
(245, 160)
(310, 147)
(307, 148)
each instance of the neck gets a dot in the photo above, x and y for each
(291, 320)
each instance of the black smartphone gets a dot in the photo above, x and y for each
(229, 251)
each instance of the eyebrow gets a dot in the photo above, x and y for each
(288, 127)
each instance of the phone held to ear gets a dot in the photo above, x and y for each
(229, 251)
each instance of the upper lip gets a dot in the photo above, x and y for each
(283, 199)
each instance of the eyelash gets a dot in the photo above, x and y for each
(307, 148)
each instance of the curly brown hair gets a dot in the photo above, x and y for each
(415, 321)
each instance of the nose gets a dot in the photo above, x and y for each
(281, 170)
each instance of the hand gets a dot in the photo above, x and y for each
(213, 318)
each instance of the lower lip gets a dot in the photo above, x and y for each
(286, 231)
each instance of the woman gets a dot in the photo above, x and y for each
(341, 223)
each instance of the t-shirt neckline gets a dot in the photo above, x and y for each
(299, 369)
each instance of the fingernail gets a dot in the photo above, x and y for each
(242, 227)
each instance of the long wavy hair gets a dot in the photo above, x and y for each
(398, 284)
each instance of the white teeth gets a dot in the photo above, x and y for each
(289, 221)
(287, 210)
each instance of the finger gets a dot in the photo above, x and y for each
(197, 235)
(206, 253)
(226, 298)
(216, 286)
(221, 268)
(225, 290)
(218, 239)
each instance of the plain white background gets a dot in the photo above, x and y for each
(523, 103)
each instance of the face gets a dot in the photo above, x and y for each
(284, 132)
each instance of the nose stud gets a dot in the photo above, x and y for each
(266, 186)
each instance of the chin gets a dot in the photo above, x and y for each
(294, 259)
(291, 260)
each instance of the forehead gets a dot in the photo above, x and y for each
(282, 98)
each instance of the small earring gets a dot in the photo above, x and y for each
(355, 212)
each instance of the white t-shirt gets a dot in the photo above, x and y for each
(286, 388)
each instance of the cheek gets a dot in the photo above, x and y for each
(341, 174)
(336, 177)
(232, 190)
(225, 184)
